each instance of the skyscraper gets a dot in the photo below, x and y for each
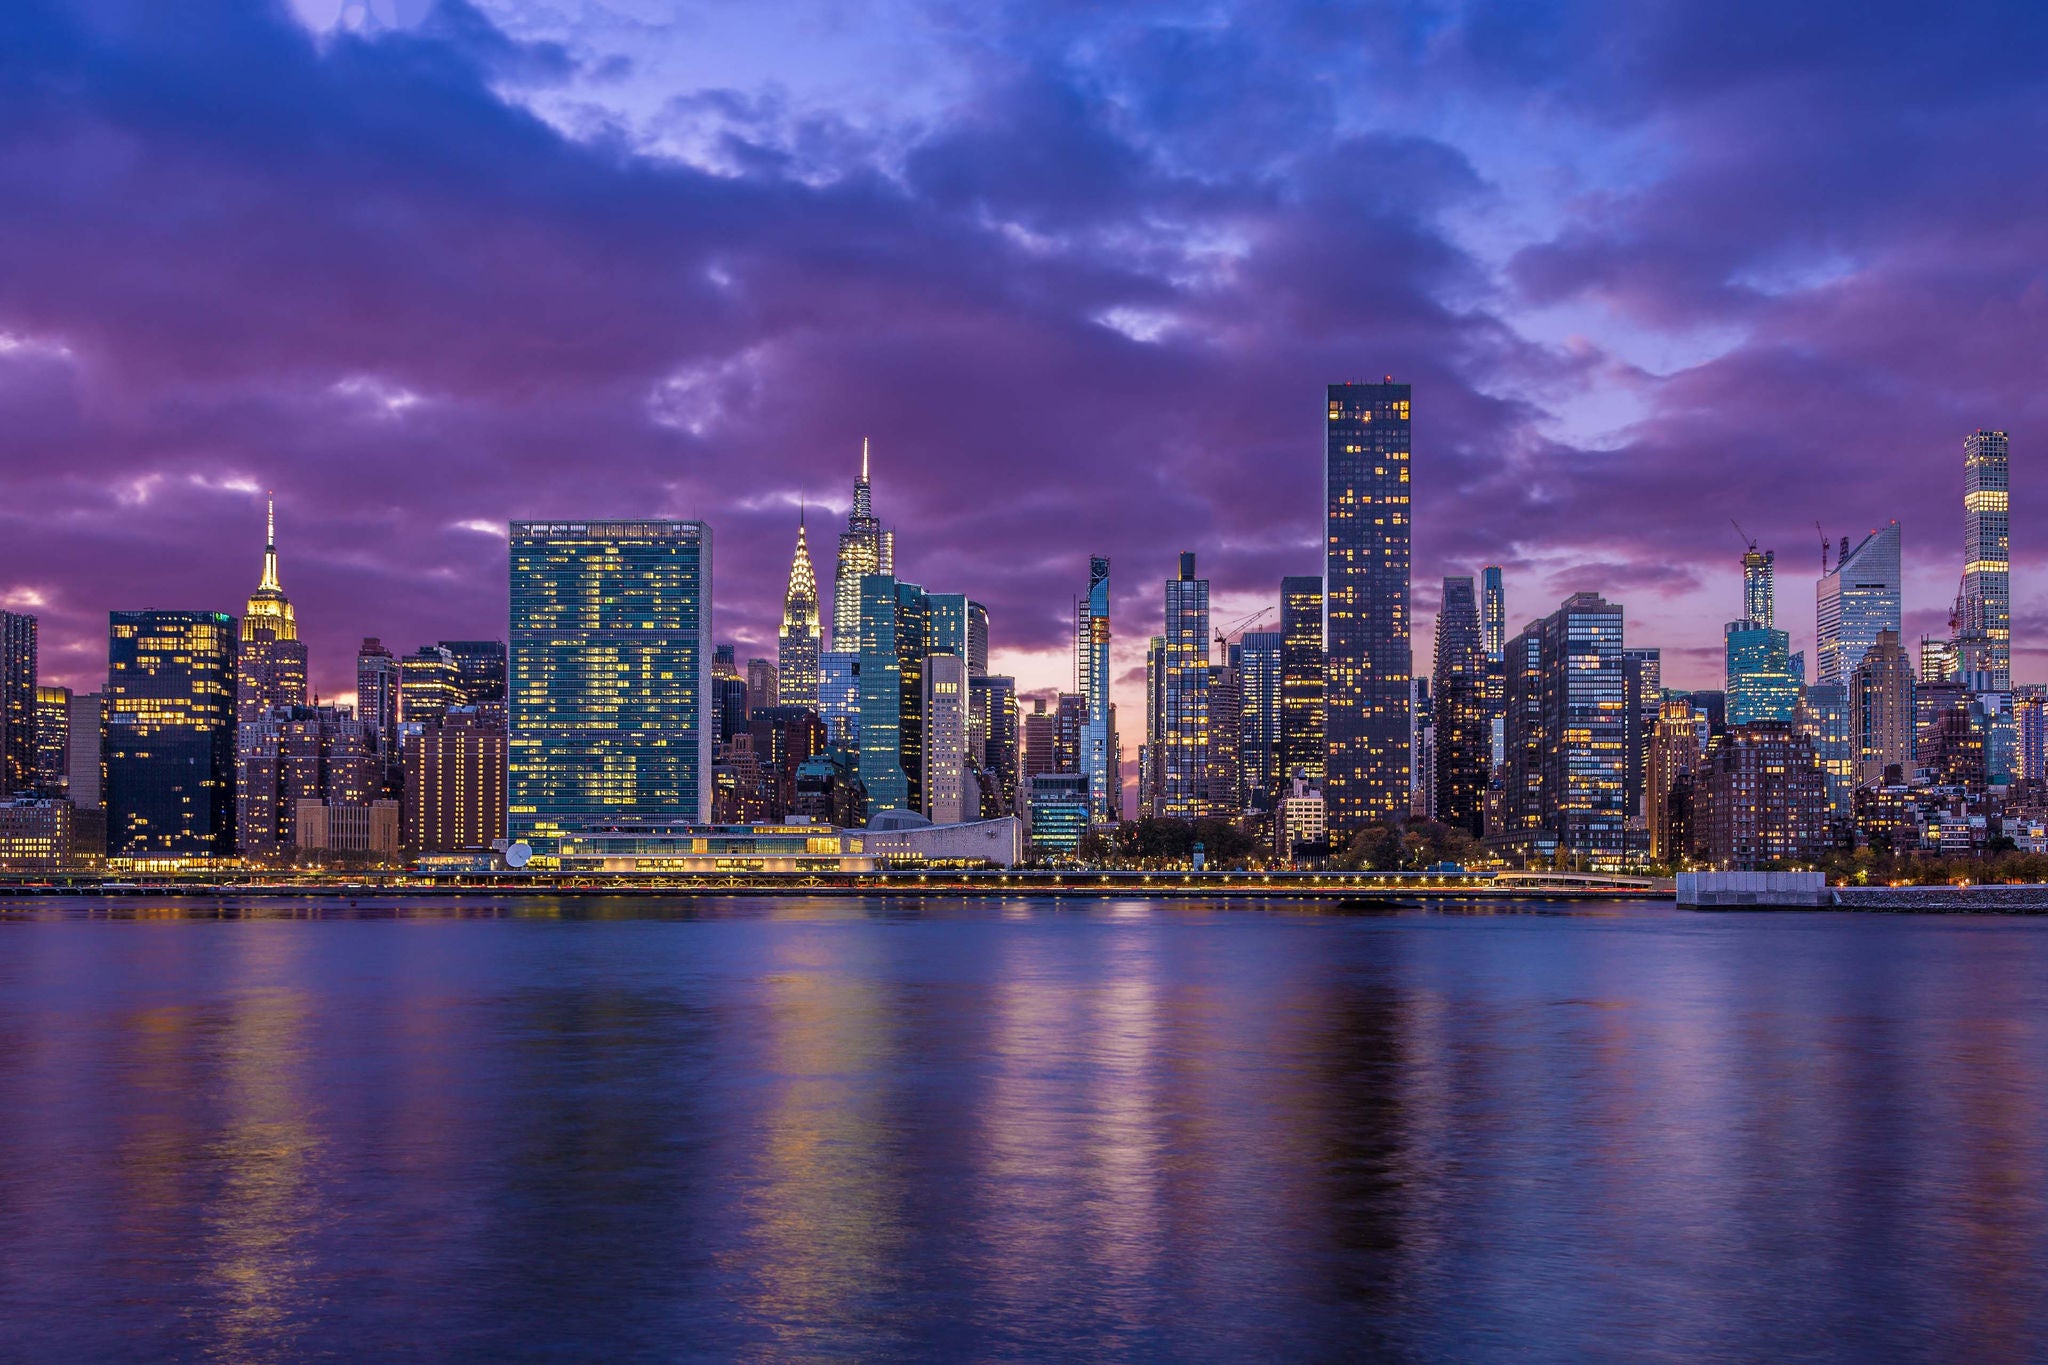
(946, 707)
(85, 780)
(1761, 684)
(1091, 680)
(839, 698)
(170, 745)
(53, 740)
(993, 714)
(1854, 601)
(429, 683)
(1567, 730)
(271, 667)
(292, 754)
(1493, 626)
(17, 702)
(1984, 632)
(1759, 586)
(1881, 720)
(1677, 743)
(1301, 679)
(1463, 727)
(1365, 579)
(864, 548)
(764, 687)
(378, 691)
(611, 675)
(1258, 654)
(895, 632)
(977, 640)
(1226, 784)
(455, 784)
(797, 646)
(480, 669)
(1642, 692)
(1184, 735)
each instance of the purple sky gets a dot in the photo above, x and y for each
(1080, 271)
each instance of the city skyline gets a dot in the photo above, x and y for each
(1014, 435)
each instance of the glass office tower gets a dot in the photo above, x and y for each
(1091, 680)
(1258, 655)
(611, 676)
(1463, 723)
(1366, 589)
(170, 742)
(1984, 633)
(1855, 601)
(1184, 702)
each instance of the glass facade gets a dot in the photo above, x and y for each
(1366, 586)
(839, 698)
(1761, 683)
(895, 622)
(1984, 633)
(1463, 723)
(170, 742)
(1258, 657)
(611, 675)
(1568, 731)
(1184, 718)
(1092, 681)
(17, 702)
(1301, 679)
(1856, 600)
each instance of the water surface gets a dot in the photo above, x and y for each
(1028, 1130)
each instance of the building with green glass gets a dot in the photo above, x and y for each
(610, 677)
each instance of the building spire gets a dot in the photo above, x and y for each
(270, 582)
(863, 459)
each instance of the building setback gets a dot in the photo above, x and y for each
(270, 670)
(864, 549)
(798, 643)
(611, 675)
(1366, 621)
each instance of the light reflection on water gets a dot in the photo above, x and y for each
(1024, 1130)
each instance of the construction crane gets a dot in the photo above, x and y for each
(1748, 540)
(1239, 627)
(1823, 549)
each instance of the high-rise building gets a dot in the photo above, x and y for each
(1855, 600)
(864, 549)
(1677, 744)
(1092, 681)
(1184, 736)
(611, 676)
(480, 668)
(1301, 678)
(783, 739)
(1938, 660)
(2030, 732)
(1070, 725)
(798, 644)
(1642, 693)
(17, 702)
(896, 636)
(993, 699)
(1041, 740)
(1567, 734)
(764, 687)
(379, 690)
(1493, 626)
(85, 777)
(455, 783)
(1226, 794)
(297, 754)
(170, 741)
(977, 640)
(53, 740)
(1824, 718)
(1463, 739)
(839, 698)
(1984, 631)
(1365, 581)
(1881, 722)
(725, 661)
(946, 770)
(429, 683)
(270, 670)
(1258, 655)
(1759, 798)
(729, 707)
(1152, 755)
(1759, 586)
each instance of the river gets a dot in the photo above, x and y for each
(1017, 1130)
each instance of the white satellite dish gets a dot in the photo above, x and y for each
(516, 855)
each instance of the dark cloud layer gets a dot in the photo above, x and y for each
(1086, 308)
